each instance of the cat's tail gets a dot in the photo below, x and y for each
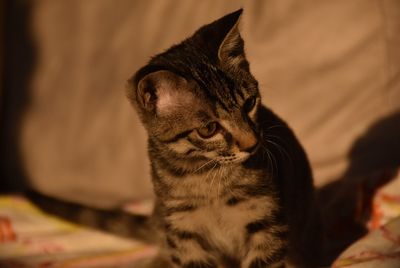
(116, 221)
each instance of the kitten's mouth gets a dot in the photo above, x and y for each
(253, 149)
(233, 159)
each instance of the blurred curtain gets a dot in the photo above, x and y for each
(329, 68)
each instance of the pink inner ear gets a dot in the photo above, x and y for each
(173, 96)
(165, 99)
(165, 91)
(146, 99)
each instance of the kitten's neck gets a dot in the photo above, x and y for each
(215, 184)
(208, 185)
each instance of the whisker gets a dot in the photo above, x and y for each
(277, 137)
(219, 183)
(205, 164)
(227, 183)
(271, 159)
(212, 181)
(273, 126)
(281, 149)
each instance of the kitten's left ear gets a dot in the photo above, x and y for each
(231, 49)
(221, 39)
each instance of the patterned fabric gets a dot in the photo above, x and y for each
(29, 238)
(381, 247)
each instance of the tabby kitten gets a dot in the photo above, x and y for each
(233, 185)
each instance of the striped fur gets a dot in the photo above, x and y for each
(233, 185)
(242, 196)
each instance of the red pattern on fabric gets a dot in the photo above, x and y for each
(7, 233)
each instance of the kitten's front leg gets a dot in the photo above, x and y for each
(188, 250)
(267, 245)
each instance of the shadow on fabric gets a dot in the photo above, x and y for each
(346, 202)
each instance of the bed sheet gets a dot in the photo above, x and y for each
(31, 238)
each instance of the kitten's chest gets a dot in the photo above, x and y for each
(215, 207)
(221, 223)
(226, 225)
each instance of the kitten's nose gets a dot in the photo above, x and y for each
(247, 142)
(251, 149)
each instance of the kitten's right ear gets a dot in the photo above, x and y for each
(154, 92)
(146, 89)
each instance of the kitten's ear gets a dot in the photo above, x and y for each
(222, 40)
(156, 91)
(231, 49)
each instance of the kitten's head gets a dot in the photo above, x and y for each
(198, 99)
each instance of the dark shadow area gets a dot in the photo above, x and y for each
(18, 64)
(346, 202)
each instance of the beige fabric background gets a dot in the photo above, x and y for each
(329, 68)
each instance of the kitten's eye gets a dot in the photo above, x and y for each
(208, 130)
(249, 104)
